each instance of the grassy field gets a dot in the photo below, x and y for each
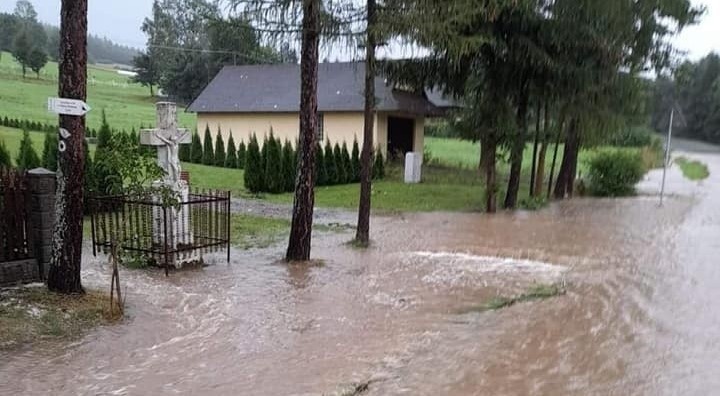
(12, 137)
(127, 104)
(693, 170)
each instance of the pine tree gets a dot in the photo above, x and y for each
(241, 153)
(274, 177)
(320, 170)
(341, 174)
(27, 156)
(355, 162)
(208, 157)
(347, 165)
(331, 169)
(184, 152)
(253, 172)
(104, 134)
(231, 157)
(5, 161)
(289, 165)
(219, 149)
(263, 159)
(378, 169)
(6, 122)
(196, 149)
(50, 151)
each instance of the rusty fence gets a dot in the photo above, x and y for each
(15, 234)
(167, 236)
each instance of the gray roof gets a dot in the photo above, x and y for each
(276, 88)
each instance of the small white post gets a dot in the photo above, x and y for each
(667, 155)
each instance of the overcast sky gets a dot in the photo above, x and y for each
(120, 21)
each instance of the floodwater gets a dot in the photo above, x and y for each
(641, 313)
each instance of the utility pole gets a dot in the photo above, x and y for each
(667, 154)
(64, 273)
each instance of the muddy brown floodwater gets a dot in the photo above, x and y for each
(641, 313)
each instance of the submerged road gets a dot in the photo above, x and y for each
(640, 315)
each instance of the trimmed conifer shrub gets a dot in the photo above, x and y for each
(339, 163)
(50, 151)
(196, 149)
(5, 161)
(253, 171)
(27, 157)
(231, 157)
(263, 158)
(241, 153)
(89, 182)
(208, 155)
(289, 166)
(274, 177)
(355, 162)
(219, 149)
(378, 170)
(347, 164)
(331, 169)
(320, 170)
(104, 134)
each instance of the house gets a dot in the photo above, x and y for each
(255, 98)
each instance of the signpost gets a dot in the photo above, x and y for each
(73, 107)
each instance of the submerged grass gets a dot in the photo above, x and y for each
(693, 170)
(257, 232)
(34, 314)
(537, 292)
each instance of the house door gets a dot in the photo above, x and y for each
(401, 136)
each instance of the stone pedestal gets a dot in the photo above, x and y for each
(413, 167)
(177, 222)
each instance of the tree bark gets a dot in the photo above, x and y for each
(304, 202)
(516, 153)
(568, 167)
(489, 148)
(64, 272)
(536, 142)
(560, 128)
(362, 236)
(540, 172)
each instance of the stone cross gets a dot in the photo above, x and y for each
(167, 137)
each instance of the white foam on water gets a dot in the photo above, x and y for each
(460, 268)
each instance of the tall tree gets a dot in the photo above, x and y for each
(304, 201)
(147, 69)
(64, 273)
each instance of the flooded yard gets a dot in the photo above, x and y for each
(639, 315)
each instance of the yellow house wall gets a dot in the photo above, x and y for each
(339, 127)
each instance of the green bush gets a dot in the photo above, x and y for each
(321, 177)
(347, 165)
(208, 155)
(241, 152)
(89, 183)
(635, 137)
(289, 166)
(274, 177)
(331, 169)
(27, 156)
(231, 157)
(355, 161)
(253, 167)
(196, 150)
(614, 172)
(219, 149)
(378, 169)
(104, 134)
(50, 151)
(340, 164)
(4, 156)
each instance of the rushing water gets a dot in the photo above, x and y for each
(640, 315)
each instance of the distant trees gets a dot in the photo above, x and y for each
(148, 73)
(28, 37)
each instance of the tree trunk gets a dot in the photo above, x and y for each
(516, 154)
(362, 237)
(566, 175)
(483, 153)
(151, 91)
(64, 272)
(489, 148)
(540, 175)
(302, 217)
(535, 150)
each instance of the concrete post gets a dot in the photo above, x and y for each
(41, 183)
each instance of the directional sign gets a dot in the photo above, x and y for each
(64, 106)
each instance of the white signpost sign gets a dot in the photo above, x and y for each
(73, 107)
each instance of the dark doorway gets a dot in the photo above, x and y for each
(401, 136)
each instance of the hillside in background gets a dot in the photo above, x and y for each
(100, 49)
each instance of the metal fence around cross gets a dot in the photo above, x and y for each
(15, 233)
(165, 235)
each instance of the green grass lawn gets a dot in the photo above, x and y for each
(126, 104)
(693, 170)
(12, 138)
